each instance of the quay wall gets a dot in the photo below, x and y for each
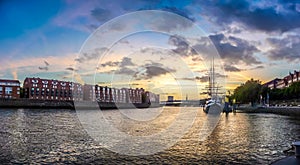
(27, 103)
(31, 103)
(289, 111)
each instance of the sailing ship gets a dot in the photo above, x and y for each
(214, 102)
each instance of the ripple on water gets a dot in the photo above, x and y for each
(56, 136)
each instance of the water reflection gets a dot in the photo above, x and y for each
(56, 136)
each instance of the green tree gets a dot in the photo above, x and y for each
(276, 94)
(264, 91)
(294, 90)
(291, 92)
(248, 92)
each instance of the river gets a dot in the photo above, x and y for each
(57, 136)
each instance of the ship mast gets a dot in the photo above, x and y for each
(213, 78)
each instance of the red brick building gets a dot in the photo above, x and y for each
(46, 89)
(9, 88)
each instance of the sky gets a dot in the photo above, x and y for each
(121, 44)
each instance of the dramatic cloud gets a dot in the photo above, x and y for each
(119, 67)
(258, 67)
(125, 71)
(91, 56)
(101, 15)
(203, 78)
(231, 68)
(182, 46)
(110, 64)
(235, 50)
(126, 61)
(43, 68)
(278, 16)
(206, 77)
(71, 69)
(182, 12)
(152, 71)
(287, 48)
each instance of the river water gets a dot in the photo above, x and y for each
(57, 136)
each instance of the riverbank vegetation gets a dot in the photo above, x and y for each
(248, 92)
(252, 91)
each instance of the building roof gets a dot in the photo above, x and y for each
(7, 80)
(272, 81)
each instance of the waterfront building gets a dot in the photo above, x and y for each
(170, 98)
(281, 84)
(124, 95)
(106, 94)
(9, 89)
(285, 81)
(89, 92)
(49, 89)
(152, 97)
(273, 83)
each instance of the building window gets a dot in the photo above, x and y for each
(8, 90)
(43, 91)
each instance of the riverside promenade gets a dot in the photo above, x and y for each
(290, 111)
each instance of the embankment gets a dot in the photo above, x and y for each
(29, 103)
(290, 111)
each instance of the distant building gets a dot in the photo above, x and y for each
(124, 95)
(9, 89)
(48, 89)
(89, 92)
(170, 98)
(273, 83)
(284, 82)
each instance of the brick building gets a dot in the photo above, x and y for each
(107, 94)
(151, 97)
(9, 88)
(47, 89)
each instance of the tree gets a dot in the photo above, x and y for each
(248, 92)
(264, 91)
